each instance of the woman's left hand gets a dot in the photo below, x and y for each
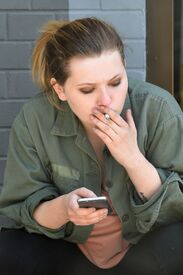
(120, 136)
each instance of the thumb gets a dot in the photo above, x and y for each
(79, 193)
(84, 192)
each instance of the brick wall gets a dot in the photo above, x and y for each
(128, 16)
(19, 24)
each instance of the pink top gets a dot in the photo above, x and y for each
(105, 246)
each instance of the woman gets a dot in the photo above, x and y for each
(92, 132)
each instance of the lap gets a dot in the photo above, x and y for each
(158, 252)
(22, 253)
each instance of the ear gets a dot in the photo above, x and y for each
(59, 90)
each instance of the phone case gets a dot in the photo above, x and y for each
(95, 202)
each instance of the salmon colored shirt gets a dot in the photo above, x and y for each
(105, 246)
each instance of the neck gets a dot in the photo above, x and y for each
(97, 144)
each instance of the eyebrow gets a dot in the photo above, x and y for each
(90, 83)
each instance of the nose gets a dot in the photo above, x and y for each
(104, 98)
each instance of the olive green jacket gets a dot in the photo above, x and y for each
(50, 155)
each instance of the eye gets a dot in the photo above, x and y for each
(116, 83)
(87, 90)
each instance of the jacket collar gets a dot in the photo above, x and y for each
(66, 123)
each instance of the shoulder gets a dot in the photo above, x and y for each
(148, 97)
(142, 89)
(36, 111)
(38, 104)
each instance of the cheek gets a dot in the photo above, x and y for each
(80, 106)
(120, 96)
(74, 106)
(119, 99)
(124, 90)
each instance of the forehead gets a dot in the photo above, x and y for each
(105, 65)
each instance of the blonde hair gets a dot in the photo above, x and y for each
(60, 41)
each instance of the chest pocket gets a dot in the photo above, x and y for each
(65, 178)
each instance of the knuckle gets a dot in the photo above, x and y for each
(83, 189)
(116, 116)
(106, 128)
(106, 139)
(98, 123)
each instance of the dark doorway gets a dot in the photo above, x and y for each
(165, 45)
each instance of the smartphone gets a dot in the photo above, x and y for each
(98, 202)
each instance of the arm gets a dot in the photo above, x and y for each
(144, 177)
(27, 183)
(163, 158)
(121, 138)
(57, 212)
(30, 198)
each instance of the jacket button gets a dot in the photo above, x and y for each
(125, 217)
(109, 183)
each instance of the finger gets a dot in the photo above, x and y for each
(75, 211)
(129, 119)
(92, 218)
(73, 204)
(97, 216)
(91, 213)
(81, 211)
(104, 136)
(100, 117)
(114, 116)
(78, 193)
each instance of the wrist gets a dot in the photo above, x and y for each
(52, 214)
(64, 206)
(135, 161)
(144, 176)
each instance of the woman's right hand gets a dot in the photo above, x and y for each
(58, 211)
(82, 216)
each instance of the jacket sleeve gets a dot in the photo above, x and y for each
(27, 182)
(165, 152)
